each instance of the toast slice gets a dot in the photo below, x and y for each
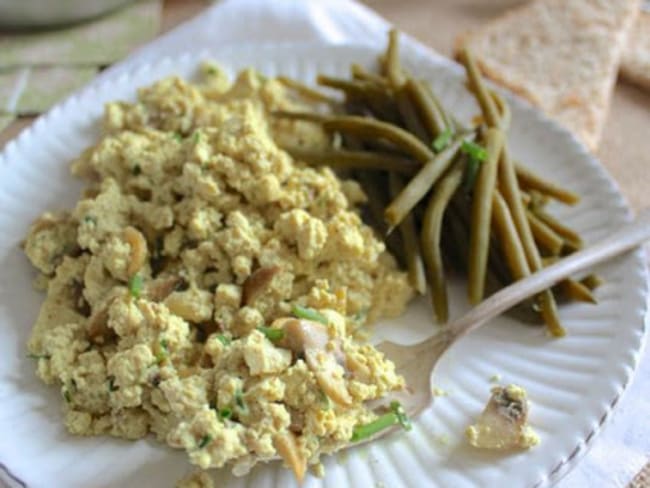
(635, 64)
(562, 56)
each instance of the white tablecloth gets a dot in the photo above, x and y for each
(623, 446)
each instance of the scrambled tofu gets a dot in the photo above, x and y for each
(173, 285)
(503, 422)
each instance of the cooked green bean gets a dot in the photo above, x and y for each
(544, 235)
(432, 118)
(482, 214)
(408, 231)
(513, 250)
(355, 87)
(360, 73)
(529, 180)
(409, 113)
(477, 86)
(421, 183)
(575, 290)
(306, 91)
(393, 67)
(367, 128)
(349, 159)
(569, 235)
(505, 116)
(592, 281)
(511, 193)
(431, 234)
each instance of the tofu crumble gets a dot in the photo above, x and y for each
(207, 289)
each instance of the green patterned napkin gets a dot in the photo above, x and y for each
(5, 120)
(39, 68)
(98, 42)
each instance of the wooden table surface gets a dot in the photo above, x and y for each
(625, 147)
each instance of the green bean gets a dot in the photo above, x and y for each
(408, 231)
(392, 66)
(570, 236)
(431, 236)
(511, 193)
(350, 159)
(513, 249)
(544, 235)
(432, 118)
(505, 116)
(529, 180)
(477, 86)
(421, 183)
(592, 281)
(409, 114)
(577, 291)
(360, 73)
(355, 87)
(306, 91)
(482, 215)
(450, 121)
(367, 128)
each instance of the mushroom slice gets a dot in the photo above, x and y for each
(330, 375)
(257, 282)
(287, 447)
(323, 356)
(503, 422)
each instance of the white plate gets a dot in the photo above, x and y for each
(574, 382)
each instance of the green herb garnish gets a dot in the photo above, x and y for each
(239, 402)
(163, 351)
(196, 137)
(325, 400)
(225, 413)
(39, 356)
(111, 384)
(473, 150)
(471, 172)
(309, 314)
(136, 170)
(135, 285)
(442, 140)
(224, 339)
(205, 440)
(272, 333)
(89, 219)
(394, 417)
(67, 396)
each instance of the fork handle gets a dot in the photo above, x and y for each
(625, 238)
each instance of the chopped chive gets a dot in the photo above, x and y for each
(325, 400)
(111, 384)
(225, 413)
(402, 418)
(136, 170)
(89, 219)
(471, 173)
(473, 150)
(272, 333)
(211, 70)
(135, 285)
(223, 339)
(178, 136)
(205, 440)
(67, 396)
(442, 140)
(309, 314)
(39, 356)
(394, 417)
(162, 354)
(196, 137)
(240, 403)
